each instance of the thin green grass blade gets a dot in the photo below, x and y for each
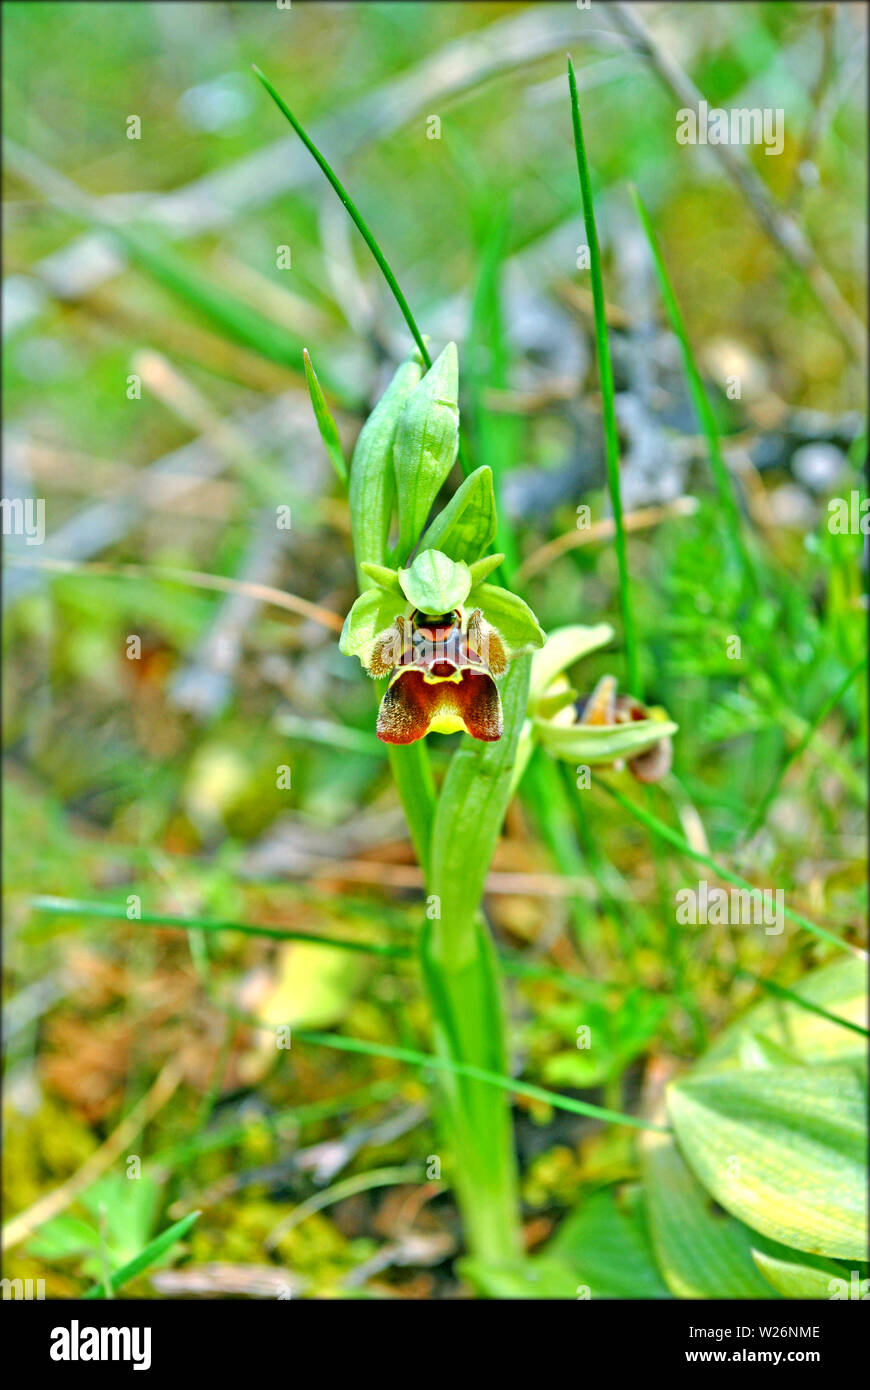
(494, 433)
(780, 992)
(701, 402)
(75, 907)
(605, 373)
(325, 422)
(801, 746)
(672, 837)
(506, 1083)
(354, 213)
(146, 1257)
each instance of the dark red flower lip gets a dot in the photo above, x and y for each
(417, 703)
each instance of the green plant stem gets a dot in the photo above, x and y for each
(605, 373)
(462, 977)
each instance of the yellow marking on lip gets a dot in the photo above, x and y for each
(446, 724)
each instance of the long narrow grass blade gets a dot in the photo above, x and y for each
(605, 374)
(325, 422)
(701, 402)
(801, 745)
(780, 992)
(74, 907)
(146, 1257)
(673, 837)
(354, 213)
(506, 1083)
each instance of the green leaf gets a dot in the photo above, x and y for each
(839, 988)
(384, 577)
(152, 1252)
(702, 1251)
(467, 524)
(782, 1150)
(372, 480)
(601, 743)
(325, 422)
(799, 1278)
(600, 1251)
(373, 611)
(434, 583)
(607, 1248)
(514, 619)
(564, 646)
(425, 446)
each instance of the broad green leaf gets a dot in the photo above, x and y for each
(601, 743)
(798, 1278)
(702, 1251)
(564, 646)
(434, 583)
(839, 988)
(325, 423)
(372, 479)
(606, 1245)
(600, 1251)
(467, 524)
(386, 578)
(782, 1150)
(373, 611)
(427, 439)
(481, 569)
(514, 619)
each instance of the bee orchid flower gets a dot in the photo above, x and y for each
(440, 653)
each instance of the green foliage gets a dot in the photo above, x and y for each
(427, 438)
(782, 1149)
(466, 526)
(372, 480)
(325, 423)
(510, 614)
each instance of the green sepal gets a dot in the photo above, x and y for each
(434, 583)
(550, 704)
(564, 646)
(373, 611)
(426, 443)
(601, 743)
(466, 526)
(386, 578)
(482, 569)
(514, 619)
(372, 479)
